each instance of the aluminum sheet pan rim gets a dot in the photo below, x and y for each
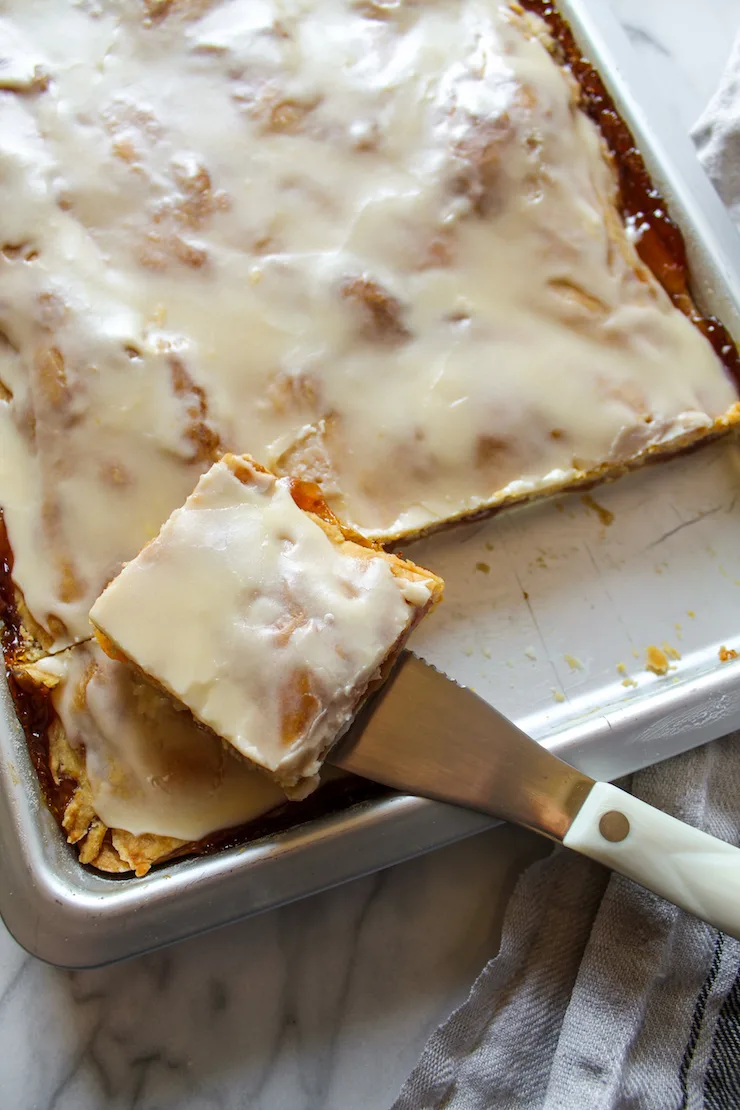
(73, 917)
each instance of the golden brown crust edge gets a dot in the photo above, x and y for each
(725, 425)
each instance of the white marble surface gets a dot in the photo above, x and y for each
(323, 1005)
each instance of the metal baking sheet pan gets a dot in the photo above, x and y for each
(549, 611)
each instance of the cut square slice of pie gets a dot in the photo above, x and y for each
(264, 615)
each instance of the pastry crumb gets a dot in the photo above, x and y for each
(573, 663)
(657, 660)
(557, 695)
(530, 653)
(484, 568)
(605, 515)
(726, 654)
(626, 681)
(671, 652)
(691, 613)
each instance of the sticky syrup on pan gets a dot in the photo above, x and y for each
(334, 796)
(32, 708)
(661, 245)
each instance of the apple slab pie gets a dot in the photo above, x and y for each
(401, 249)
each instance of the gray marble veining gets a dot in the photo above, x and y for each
(684, 44)
(323, 1005)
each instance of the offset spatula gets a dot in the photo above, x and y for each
(423, 734)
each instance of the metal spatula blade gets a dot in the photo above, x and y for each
(425, 735)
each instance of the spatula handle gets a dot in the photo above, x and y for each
(687, 867)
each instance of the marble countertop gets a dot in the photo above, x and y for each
(325, 1004)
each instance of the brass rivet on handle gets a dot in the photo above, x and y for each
(614, 826)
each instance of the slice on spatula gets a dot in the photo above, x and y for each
(264, 616)
(423, 734)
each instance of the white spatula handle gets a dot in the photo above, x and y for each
(687, 867)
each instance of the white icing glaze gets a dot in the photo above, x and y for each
(263, 626)
(360, 239)
(151, 768)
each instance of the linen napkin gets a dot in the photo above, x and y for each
(603, 996)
